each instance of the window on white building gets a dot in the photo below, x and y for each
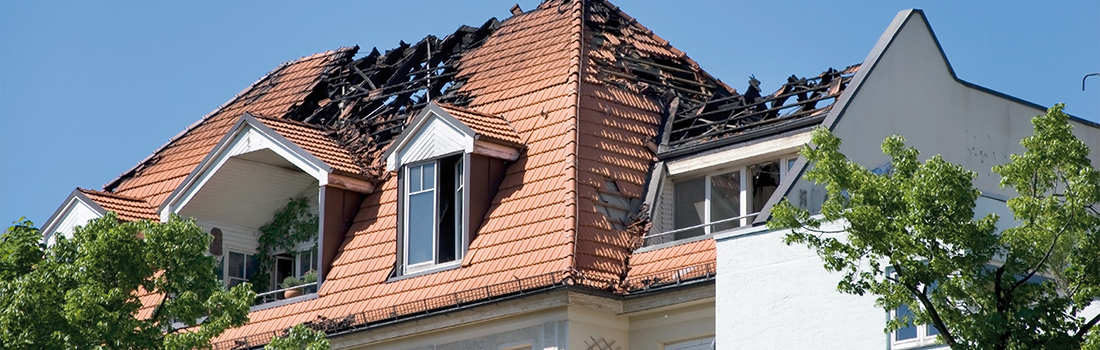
(433, 207)
(912, 335)
(694, 344)
(236, 268)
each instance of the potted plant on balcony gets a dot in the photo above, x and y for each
(309, 278)
(292, 283)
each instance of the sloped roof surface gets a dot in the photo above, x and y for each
(273, 95)
(630, 77)
(490, 126)
(522, 72)
(127, 208)
(317, 141)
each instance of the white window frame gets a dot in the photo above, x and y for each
(922, 338)
(785, 162)
(690, 343)
(225, 266)
(314, 254)
(458, 190)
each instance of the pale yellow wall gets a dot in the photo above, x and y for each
(651, 330)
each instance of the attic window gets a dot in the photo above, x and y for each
(449, 173)
(433, 197)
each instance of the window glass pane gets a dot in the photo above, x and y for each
(908, 332)
(725, 200)
(764, 179)
(236, 265)
(307, 261)
(688, 206)
(421, 220)
(429, 176)
(415, 178)
(932, 330)
(790, 163)
(284, 267)
(459, 214)
(251, 266)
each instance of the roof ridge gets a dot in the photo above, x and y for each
(576, 69)
(343, 50)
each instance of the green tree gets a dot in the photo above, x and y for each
(299, 338)
(83, 293)
(910, 237)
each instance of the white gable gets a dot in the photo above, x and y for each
(435, 138)
(246, 138)
(76, 212)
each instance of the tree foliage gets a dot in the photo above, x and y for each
(910, 237)
(299, 338)
(83, 292)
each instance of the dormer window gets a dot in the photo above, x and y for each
(434, 197)
(259, 166)
(449, 161)
(716, 199)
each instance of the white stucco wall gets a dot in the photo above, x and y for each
(774, 296)
(911, 92)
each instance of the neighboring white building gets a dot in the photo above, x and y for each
(775, 296)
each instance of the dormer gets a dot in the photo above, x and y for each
(721, 162)
(450, 162)
(84, 205)
(259, 166)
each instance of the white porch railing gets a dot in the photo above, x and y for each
(279, 294)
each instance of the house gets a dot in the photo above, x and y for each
(556, 179)
(905, 86)
(482, 189)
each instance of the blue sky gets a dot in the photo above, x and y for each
(87, 90)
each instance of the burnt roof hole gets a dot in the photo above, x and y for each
(614, 205)
(724, 116)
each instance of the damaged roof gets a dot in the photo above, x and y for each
(591, 95)
(724, 119)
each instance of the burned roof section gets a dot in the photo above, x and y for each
(798, 103)
(621, 57)
(368, 101)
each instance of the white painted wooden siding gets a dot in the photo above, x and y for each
(436, 138)
(246, 193)
(663, 219)
(78, 214)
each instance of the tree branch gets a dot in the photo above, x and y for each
(1087, 326)
(931, 309)
(1000, 297)
(1039, 265)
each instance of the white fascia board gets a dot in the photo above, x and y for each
(247, 135)
(776, 146)
(68, 208)
(428, 114)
